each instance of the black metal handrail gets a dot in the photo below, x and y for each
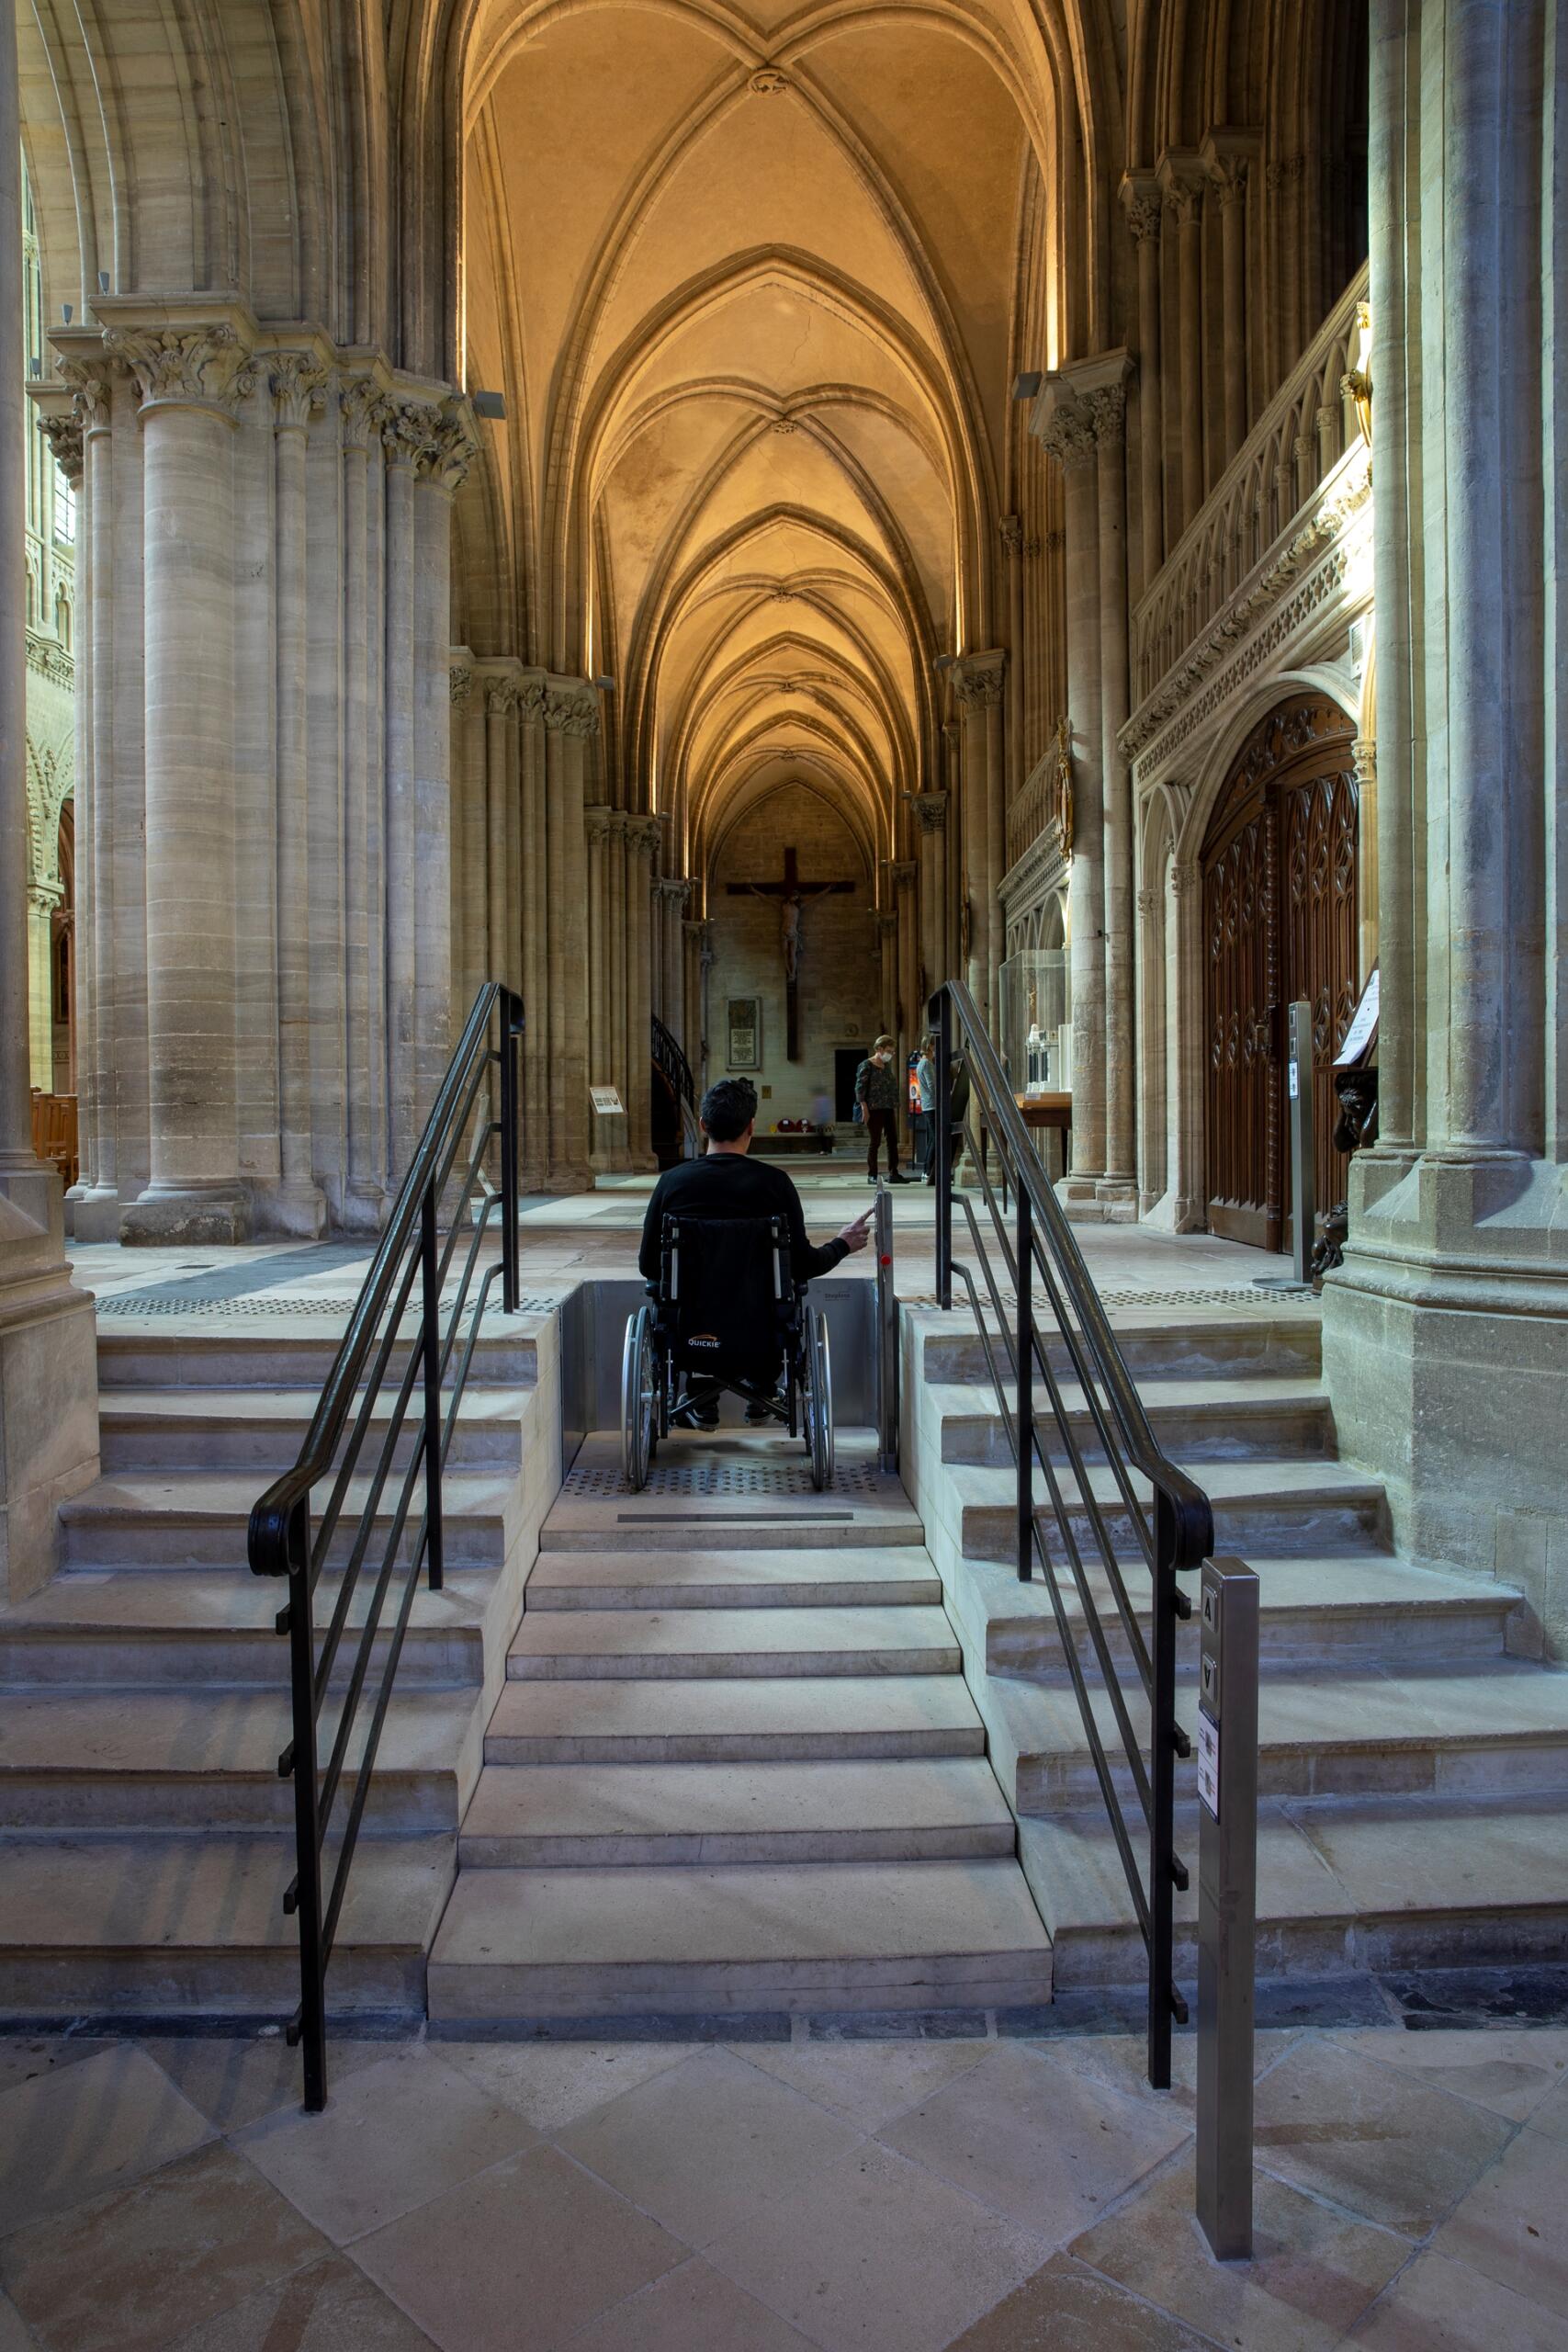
(670, 1060)
(282, 1541)
(1037, 1247)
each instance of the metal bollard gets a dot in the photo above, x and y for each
(1227, 1902)
(1303, 1141)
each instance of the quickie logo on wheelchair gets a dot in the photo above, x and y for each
(702, 1340)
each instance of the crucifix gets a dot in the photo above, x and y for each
(793, 896)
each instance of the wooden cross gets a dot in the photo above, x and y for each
(790, 888)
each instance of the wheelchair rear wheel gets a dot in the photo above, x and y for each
(818, 1400)
(639, 1398)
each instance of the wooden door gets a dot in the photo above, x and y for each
(1279, 922)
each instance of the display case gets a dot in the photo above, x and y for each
(1036, 1020)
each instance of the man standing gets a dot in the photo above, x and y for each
(925, 1094)
(876, 1091)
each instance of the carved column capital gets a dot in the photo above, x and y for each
(450, 451)
(500, 695)
(1067, 436)
(1364, 753)
(92, 390)
(298, 385)
(1145, 216)
(460, 685)
(977, 680)
(1108, 412)
(407, 430)
(930, 810)
(1185, 881)
(572, 711)
(203, 367)
(1011, 531)
(359, 399)
(902, 872)
(598, 822)
(643, 835)
(1148, 904)
(63, 431)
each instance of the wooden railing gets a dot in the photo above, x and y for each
(1301, 436)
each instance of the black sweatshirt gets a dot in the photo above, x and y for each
(727, 1183)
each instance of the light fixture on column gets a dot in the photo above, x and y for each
(605, 685)
(1026, 387)
(491, 404)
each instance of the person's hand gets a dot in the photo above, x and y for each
(855, 1235)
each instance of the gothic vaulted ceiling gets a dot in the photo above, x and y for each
(750, 284)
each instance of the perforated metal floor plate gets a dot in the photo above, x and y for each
(1125, 1298)
(172, 1303)
(784, 1478)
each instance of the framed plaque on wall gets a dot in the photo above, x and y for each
(745, 1026)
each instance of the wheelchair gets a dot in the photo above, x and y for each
(723, 1312)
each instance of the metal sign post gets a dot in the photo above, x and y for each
(1303, 1143)
(1227, 1902)
(886, 1335)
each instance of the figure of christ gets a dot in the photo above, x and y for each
(793, 899)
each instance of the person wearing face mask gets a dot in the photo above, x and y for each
(876, 1091)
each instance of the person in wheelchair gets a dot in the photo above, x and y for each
(724, 1185)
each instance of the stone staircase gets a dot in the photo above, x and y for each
(1413, 1754)
(735, 1767)
(145, 1837)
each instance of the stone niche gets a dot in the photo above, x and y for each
(837, 965)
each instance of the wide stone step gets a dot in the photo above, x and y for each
(579, 1644)
(184, 1925)
(1262, 1510)
(123, 1628)
(691, 1815)
(262, 1431)
(757, 1579)
(1351, 1610)
(281, 1355)
(1196, 1421)
(186, 1520)
(1374, 1884)
(1329, 1735)
(208, 1759)
(1208, 1342)
(797, 1718)
(538, 1943)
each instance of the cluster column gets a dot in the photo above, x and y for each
(570, 716)
(978, 681)
(931, 816)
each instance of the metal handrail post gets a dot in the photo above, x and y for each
(511, 1039)
(886, 1336)
(941, 1009)
(310, 2032)
(1166, 1741)
(431, 1334)
(1025, 1259)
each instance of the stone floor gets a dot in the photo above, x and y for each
(901, 2195)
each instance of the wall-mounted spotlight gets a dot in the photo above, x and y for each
(35, 366)
(605, 685)
(103, 282)
(1025, 386)
(66, 313)
(491, 405)
(944, 660)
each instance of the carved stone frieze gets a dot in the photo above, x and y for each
(49, 658)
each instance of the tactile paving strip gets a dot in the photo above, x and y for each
(1235, 1297)
(171, 1303)
(723, 1478)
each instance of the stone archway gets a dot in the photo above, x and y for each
(1281, 921)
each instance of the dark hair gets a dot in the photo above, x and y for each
(729, 1109)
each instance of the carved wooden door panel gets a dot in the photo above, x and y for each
(1279, 922)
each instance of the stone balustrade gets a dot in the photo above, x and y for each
(1295, 445)
(1045, 798)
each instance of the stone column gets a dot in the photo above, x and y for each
(49, 1422)
(449, 449)
(642, 844)
(470, 914)
(931, 816)
(617, 1145)
(886, 922)
(694, 933)
(501, 722)
(189, 377)
(1446, 1331)
(1186, 1176)
(1182, 180)
(1106, 408)
(902, 874)
(1228, 162)
(406, 430)
(1144, 212)
(1064, 426)
(978, 679)
(571, 716)
(363, 815)
(597, 822)
(298, 385)
(1013, 549)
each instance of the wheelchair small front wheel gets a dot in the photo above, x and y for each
(818, 1400)
(639, 1385)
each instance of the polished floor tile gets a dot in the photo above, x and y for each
(1513, 2226)
(73, 2133)
(701, 2144)
(553, 2082)
(867, 2083)
(393, 2136)
(519, 2258)
(876, 2256)
(1436, 2305)
(135, 2269)
(1037, 2141)
(1511, 2072)
(1065, 2308)
(693, 2309)
(330, 2307)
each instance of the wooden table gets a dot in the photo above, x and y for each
(1050, 1111)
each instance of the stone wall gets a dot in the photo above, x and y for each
(839, 970)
